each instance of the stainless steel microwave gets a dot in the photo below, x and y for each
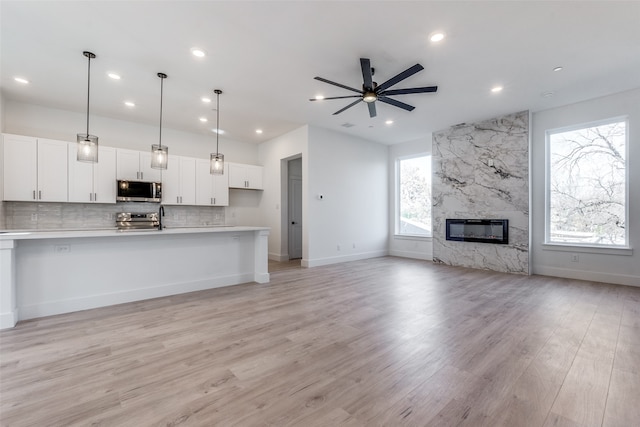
(139, 191)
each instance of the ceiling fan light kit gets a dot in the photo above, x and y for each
(372, 92)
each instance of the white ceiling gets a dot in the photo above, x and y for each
(264, 55)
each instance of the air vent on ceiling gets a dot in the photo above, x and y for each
(347, 125)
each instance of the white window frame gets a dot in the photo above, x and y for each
(588, 247)
(397, 232)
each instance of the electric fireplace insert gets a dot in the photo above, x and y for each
(478, 230)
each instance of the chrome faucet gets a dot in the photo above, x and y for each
(160, 215)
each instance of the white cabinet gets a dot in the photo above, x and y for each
(135, 165)
(93, 182)
(179, 181)
(211, 190)
(245, 176)
(35, 169)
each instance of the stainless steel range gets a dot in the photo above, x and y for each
(137, 221)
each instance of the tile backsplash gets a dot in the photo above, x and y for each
(59, 216)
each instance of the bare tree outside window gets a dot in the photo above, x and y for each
(414, 178)
(587, 185)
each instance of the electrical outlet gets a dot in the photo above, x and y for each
(575, 258)
(34, 217)
(62, 249)
(354, 246)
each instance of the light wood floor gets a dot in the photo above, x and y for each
(386, 341)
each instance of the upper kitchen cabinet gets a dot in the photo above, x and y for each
(211, 190)
(248, 177)
(35, 169)
(132, 165)
(93, 182)
(179, 181)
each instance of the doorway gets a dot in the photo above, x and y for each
(294, 202)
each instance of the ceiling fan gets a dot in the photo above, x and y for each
(372, 92)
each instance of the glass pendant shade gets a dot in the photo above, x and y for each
(159, 156)
(87, 148)
(217, 164)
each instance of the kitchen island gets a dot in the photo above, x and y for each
(44, 273)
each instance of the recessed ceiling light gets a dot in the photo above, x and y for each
(218, 131)
(21, 80)
(258, 130)
(196, 51)
(114, 76)
(203, 119)
(436, 37)
(319, 97)
(129, 104)
(388, 122)
(557, 69)
(496, 89)
(205, 99)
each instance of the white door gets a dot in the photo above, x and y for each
(104, 176)
(171, 182)
(80, 176)
(20, 168)
(53, 161)
(128, 165)
(147, 173)
(204, 183)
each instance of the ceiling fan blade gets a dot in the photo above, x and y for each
(409, 90)
(396, 103)
(337, 84)
(336, 97)
(367, 76)
(372, 109)
(400, 77)
(348, 106)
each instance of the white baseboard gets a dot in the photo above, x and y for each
(51, 308)
(593, 276)
(278, 257)
(8, 320)
(346, 258)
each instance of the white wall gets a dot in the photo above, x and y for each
(44, 122)
(273, 155)
(352, 174)
(592, 265)
(404, 246)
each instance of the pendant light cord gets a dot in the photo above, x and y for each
(217, 119)
(161, 88)
(88, 91)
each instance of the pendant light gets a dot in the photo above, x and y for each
(160, 153)
(88, 144)
(217, 158)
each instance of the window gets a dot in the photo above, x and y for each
(586, 184)
(414, 196)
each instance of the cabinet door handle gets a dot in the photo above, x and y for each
(91, 197)
(39, 194)
(214, 200)
(177, 199)
(34, 194)
(95, 197)
(141, 175)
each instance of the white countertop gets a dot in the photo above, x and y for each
(113, 232)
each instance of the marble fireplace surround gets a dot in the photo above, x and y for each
(481, 170)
